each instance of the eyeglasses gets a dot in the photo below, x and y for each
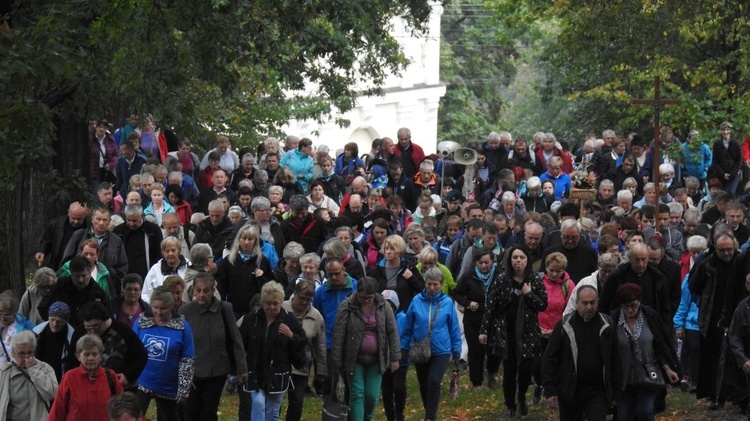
(263, 210)
(631, 306)
(570, 237)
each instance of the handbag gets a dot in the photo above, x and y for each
(421, 351)
(333, 408)
(651, 377)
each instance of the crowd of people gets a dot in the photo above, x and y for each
(281, 269)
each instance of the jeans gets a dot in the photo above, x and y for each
(393, 390)
(166, 409)
(477, 353)
(430, 377)
(364, 388)
(266, 406)
(296, 398)
(203, 401)
(595, 407)
(636, 404)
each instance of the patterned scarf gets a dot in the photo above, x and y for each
(633, 338)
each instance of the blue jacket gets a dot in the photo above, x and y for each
(22, 324)
(697, 162)
(326, 300)
(562, 183)
(445, 338)
(299, 163)
(269, 251)
(401, 322)
(342, 170)
(686, 317)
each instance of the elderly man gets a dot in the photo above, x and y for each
(425, 181)
(246, 171)
(216, 230)
(301, 226)
(229, 160)
(712, 281)
(625, 201)
(638, 271)
(189, 189)
(734, 216)
(605, 197)
(147, 180)
(142, 240)
(607, 263)
(170, 227)
(532, 242)
(359, 186)
(411, 153)
(494, 150)
(580, 363)
(75, 290)
(51, 246)
(577, 250)
(111, 249)
(128, 165)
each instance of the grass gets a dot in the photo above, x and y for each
(489, 405)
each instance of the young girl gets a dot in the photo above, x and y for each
(424, 208)
(158, 207)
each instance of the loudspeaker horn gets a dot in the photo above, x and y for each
(447, 147)
(465, 156)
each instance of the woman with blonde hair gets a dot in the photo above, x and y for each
(427, 259)
(244, 271)
(396, 273)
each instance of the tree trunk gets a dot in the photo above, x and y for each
(11, 213)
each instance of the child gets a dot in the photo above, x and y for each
(158, 207)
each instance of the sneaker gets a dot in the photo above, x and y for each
(537, 395)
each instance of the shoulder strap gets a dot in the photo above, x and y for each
(111, 381)
(28, 377)
(432, 319)
(228, 338)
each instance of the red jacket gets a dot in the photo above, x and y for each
(417, 154)
(80, 399)
(567, 165)
(746, 148)
(184, 212)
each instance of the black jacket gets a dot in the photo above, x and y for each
(309, 232)
(406, 289)
(268, 351)
(54, 240)
(142, 254)
(560, 361)
(237, 282)
(653, 286)
(65, 291)
(215, 236)
(726, 161)
(111, 250)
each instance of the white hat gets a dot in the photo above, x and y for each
(391, 296)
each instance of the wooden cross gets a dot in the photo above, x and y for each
(658, 103)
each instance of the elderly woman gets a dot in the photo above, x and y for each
(168, 339)
(171, 263)
(129, 306)
(270, 229)
(427, 259)
(510, 326)
(366, 343)
(244, 271)
(696, 244)
(201, 260)
(300, 163)
(534, 199)
(271, 337)
(645, 347)
(44, 280)
(559, 289)
(54, 338)
(100, 272)
(346, 235)
(432, 312)
(318, 199)
(176, 285)
(396, 273)
(285, 178)
(336, 248)
(471, 294)
(10, 323)
(28, 385)
(288, 268)
(314, 327)
(84, 390)
(310, 266)
(415, 242)
(235, 214)
(218, 348)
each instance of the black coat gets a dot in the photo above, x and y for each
(653, 286)
(726, 161)
(237, 282)
(215, 236)
(309, 232)
(141, 254)
(268, 351)
(53, 241)
(65, 291)
(406, 289)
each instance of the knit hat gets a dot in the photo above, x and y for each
(391, 296)
(59, 309)
(454, 195)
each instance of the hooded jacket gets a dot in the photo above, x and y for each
(327, 299)
(300, 164)
(558, 294)
(445, 337)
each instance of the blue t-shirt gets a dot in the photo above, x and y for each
(165, 348)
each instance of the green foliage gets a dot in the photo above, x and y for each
(225, 66)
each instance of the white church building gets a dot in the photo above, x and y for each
(410, 99)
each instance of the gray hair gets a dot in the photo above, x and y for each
(624, 194)
(346, 229)
(692, 215)
(276, 189)
(310, 258)
(509, 196)
(260, 175)
(335, 248)
(675, 207)
(200, 253)
(132, 210)
(608, 259)
(147, 176)
(533, 183)
(607, 183)
(215, 205)
(433, 274)
(44, 277)
(427, 165)
(608, 133)
(298, 203)
(666, 168)
(248, 157)
(26, 337)
(175, 175)
(259, 203)
(697, 241)
(493, 136)
(89, 341)
(570, 223)
(506, 135)
(293, 250)
(649, 187)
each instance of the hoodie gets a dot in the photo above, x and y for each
(327, 299)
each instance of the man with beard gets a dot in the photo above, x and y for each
(710, 282)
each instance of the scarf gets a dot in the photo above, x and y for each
(486, 278)
(633, 338)
(246, 257)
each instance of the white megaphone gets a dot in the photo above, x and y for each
(465, 156)
(447, 147)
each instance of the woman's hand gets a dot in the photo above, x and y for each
(526, 288)
(680, 334)
(483, 339)
(258, 273)
(394, 366)
(407, 274)
(473, 306)
(672, 376)
(546, 333)
(284, 330)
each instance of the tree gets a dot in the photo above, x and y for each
(224, 66)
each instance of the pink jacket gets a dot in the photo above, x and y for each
(558, 294)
